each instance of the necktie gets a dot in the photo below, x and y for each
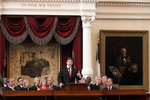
(69, 73)
(13, 89)
(109, 88)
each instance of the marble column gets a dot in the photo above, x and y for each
(87, 60)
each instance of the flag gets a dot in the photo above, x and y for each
(98, 69)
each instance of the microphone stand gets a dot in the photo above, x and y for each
(118, 87)
(45, 94)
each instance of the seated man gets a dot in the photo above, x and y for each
(50, 84)
(10, 84)
(104, 80)
(88, 80)
(109, 85)
(97, 84)
(20, 83)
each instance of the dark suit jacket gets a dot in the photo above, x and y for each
(18, 86)
(26, 89)
(113, 88)
(63, 76)
(95, 87)
(34, 87)
(54, 87)
(9, 89)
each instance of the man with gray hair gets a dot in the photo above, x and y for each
(10, 84)
(97, 84)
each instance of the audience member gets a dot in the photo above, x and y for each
(109, 85)
(36, 83)
(104, 80)
(43, 84)
(26, 84)
(20, 83)
(10, 84)
(50, 84)
(88, 80)
(97, 84)
(82, 80)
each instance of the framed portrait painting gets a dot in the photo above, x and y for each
(124, 57)
(29, 60)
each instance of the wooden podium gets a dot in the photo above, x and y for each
(75, 86)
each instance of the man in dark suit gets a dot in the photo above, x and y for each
(68, 74)
(10, 84)
(96, 86)
(88, 80)
(20, 82)
(109, 85)
(50, 84)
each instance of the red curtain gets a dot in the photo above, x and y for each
(41, 33)
(2, 52)
(14, 31)
(67, 30)
(66, 52)
(77, 49)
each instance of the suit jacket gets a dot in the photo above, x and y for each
(9, 89)
(54, 87)
(26, 89)
(18, 86)
(34, 87)
(63, 76)
(95, 87)
(113, 88)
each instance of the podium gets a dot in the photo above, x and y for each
(75, 86)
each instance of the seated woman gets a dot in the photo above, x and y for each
(82, 80)
(26, 85)
(36, 83)
(43, 84)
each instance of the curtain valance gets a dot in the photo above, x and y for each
(40, 33)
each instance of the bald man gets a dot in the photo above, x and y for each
(50, 84)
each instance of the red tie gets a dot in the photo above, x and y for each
(109, 88)
(69, 73)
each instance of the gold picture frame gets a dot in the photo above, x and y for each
(29, 60)
(136, 43)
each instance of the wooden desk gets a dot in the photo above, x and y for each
(76, 95)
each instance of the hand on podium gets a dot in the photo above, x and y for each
(61, 84)
(78, 74)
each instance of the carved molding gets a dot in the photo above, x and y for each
(132, 4)
(86, 19)
(74, 1)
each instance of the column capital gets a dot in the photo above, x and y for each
(87, 20)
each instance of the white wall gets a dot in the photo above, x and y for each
(100, 24)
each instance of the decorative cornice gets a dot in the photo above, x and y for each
(42, 0)
(132, 4)
(74, 1)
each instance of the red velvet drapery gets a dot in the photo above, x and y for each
(66, 30)
(14, 31)
(77, 49)
(2, 52)
(41, 33)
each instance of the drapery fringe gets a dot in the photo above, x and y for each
(65, 41)
(45, 40)
(13, 40)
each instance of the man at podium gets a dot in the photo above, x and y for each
(68, 74)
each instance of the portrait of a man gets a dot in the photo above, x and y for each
(125, 54)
